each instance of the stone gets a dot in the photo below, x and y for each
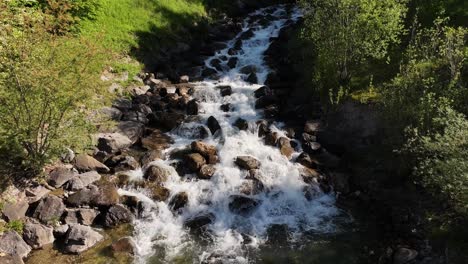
(12, 243)
(49, 209)
(262, 91)
(251, 187)
(247, 162)
(212, 159)
(166, 120)
(192, 107)
(184, 79)
(271, 138)
(179, 201)
(199, 221)
(265, 101)
(157, 174)
(243, 205)
(80, 238)
(404, 255)
(15, 210)
(82, 180)
(312, 147)
(70, 216)
(242, 124)
(206, 172)
(110, 113)
(225, 90)
(203, 148)
(113, 142)
(312, 127)
(59, 176)
(213, 125)
(123, 163)
(285, 147)
(263, 129)
(67, 156)
(133, 130)
(158, 192)
(208, 72)
(252, 78)
(124, 245)
(136, 116)
(306, 137)
(116, 215)
(151, 156)
(85, 163)
(37, 235)
(307, 161)
(232, 62)
(225, 107)
(87, 216)
(194, 162)
(10, 259)
(157, 140)
(34, 194)
(105, 194)
(309, 176)
(122, 104)
(271, 111)
(60, 231)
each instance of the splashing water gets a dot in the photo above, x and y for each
(231, 238)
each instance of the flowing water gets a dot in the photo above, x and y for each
(160, 234)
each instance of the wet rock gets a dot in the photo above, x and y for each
(262, 91)
(151, 156)
(262, 126)
(242, 124)
(105, 194)
(194, 162)
(216, 63)
(265, 101)
(225, 107)
(113, 142)
(85, 163)
(271, 138)
(312, 147)
(251, 187)
(225, 90)
(208, 72)
(157, 141)
(49, 209)
(242, 205)
(123, 163)
(192, 107)
(313, 127)
(213, 125)
(206, 172)
(232, 51)
(232, 62)
(124, 245)
(158, 192)
(285, 147)
(15, 210)
(247, 34)
(157, 174)
(307, 161)
(166, 120)
(82, 180)
(271, 111)
(87, 216)
(80, 238)
(404, 255)
(116, 215)
(179, 201)
(309, 176)
(247, 162)
(203, 148)
(37, 235)
(199, 221)
(306, 137)
(59, 176)
(133, 130)
(12, 243)
(252, 78)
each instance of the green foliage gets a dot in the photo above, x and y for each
(346, 34)
(15, 225)
(47, 86)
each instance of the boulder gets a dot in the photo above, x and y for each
(87, 216)
(252, 78)
(157, 141)
(192, 107)
(251, 187)
(166, 120)
(60, 231)
(123, 163)
(194, 162)
(263, 129)
(312, 127)
(284, 145)
(49, 209)
(82, 180)
(404, 255)
(80, 238)
(309, 176)
(232, 62)
(203, 148)
(85, 163)
(37, 235)
(59, 176)
(11, 243)
(136, 116)
(199, 221)
(206, 172)
(124, 245)
(151, 156)
(225, 90)
(242, 124)
(307, 161)
(133, 130)
(262, 91)
(312, 147)
(225, 107)
(34, 194)
(15, 210)
(116, 215)
(113, 142)
(67, 156)
(122, 104)
(158, 192)
(70, 216)
(242, 205)
(247, 162)
(179, 201)
(265, 101)
(105, 194)
(157, 174)
(213, 125)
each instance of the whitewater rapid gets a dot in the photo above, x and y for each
(231, 238)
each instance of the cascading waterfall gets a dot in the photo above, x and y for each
(231, 238)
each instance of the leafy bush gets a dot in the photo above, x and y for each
(47, 86)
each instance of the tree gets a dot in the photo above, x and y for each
(47, 86)
(346, 33)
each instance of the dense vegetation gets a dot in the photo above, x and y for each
(409, 57)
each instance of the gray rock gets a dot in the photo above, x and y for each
(243, 205)
(61, 230)
(37, 235)
(80, 238)
(242, 124)
(122, 163)
(203, 148)
(133, 130)
(105, 194)
(15, 211)
(85, 163)
(87, 216)
(111, 113)
(34, 194)
(116, 215)
(113, 142)
(213, 125)
(194, 162)
(82, 180)
(12, 243)
(59, 176)
(192, 107)
(247, 162)
(157, 174)
(122, 104)
(199, 221)
(68, 155)
(49, 209)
